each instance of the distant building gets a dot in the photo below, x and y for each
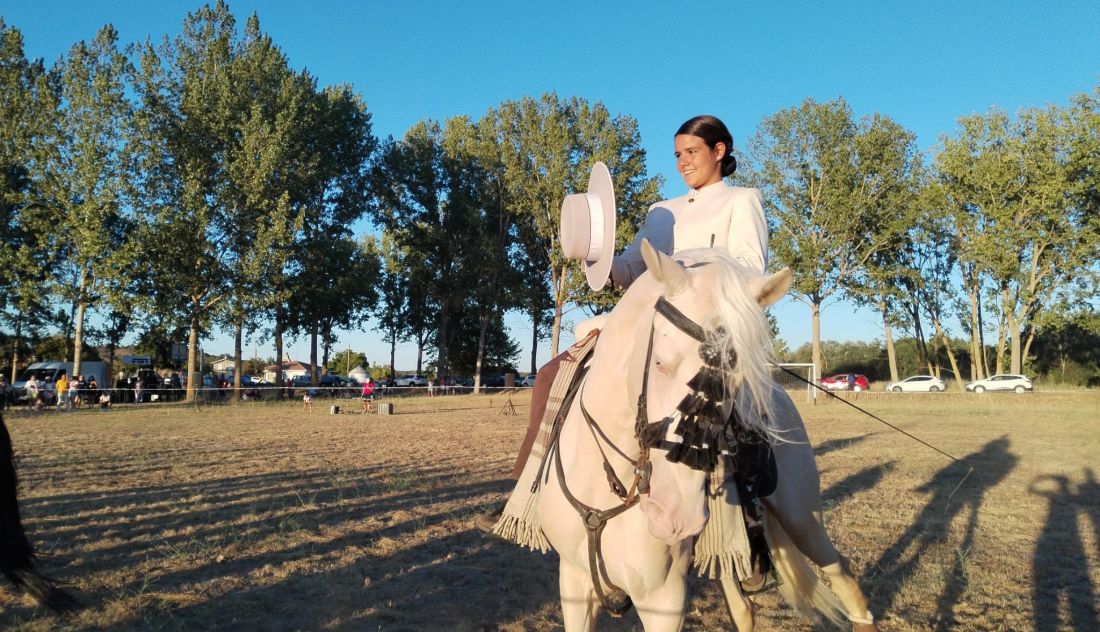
(359, 374)
(289, 368)
(223, 364)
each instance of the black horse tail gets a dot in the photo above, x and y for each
(17, 560)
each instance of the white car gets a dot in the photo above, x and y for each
(529, 380)
(1001, 382)
(917, 384)
(411, 380)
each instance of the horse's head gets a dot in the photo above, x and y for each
(711, 317)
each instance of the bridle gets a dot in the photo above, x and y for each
(648, 435)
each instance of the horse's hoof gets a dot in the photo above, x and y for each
(864, 627)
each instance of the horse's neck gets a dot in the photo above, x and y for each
(614, 379)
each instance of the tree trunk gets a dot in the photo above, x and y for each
(420, 353)
(891, 355)
(535, 319)
(950, 354)
(237, 328)
(15, 352)
(78, 335)
(192, 352)
(1016, 363)
(313, 352)
(558, 284)
(393, 350)
(815, 320)
(977, 343)
(442, 360)
(279, 353)
(483, 321)
(1027, 347)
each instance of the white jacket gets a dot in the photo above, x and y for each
(716, 216)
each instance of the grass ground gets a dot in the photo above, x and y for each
(267, 518)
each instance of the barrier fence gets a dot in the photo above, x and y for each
(87, 398)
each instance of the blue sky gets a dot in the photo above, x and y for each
(924, 64)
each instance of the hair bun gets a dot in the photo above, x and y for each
(729, 164)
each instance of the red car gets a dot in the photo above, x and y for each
(841, 382)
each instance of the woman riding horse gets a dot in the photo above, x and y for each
(710, 215)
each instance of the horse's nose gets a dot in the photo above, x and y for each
(670, 526)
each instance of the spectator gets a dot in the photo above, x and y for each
(62, 387)
(76, 389)
(104, 399)
(851, 382)
(32, 391)
(368, 394)
(308, 401)
(5, 393)
(91, 391)
(139, 391)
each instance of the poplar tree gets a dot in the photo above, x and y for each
(830, 182)
(27, 107)
(80, 173)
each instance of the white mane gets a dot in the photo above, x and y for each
(739, 323)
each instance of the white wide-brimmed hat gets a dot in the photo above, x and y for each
(588, 226)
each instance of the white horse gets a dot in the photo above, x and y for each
(645, 551)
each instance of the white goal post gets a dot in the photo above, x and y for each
(791, 384)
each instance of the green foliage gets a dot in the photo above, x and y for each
(835, 187)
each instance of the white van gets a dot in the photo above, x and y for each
(53, 370)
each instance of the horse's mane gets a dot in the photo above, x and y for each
(739, 324)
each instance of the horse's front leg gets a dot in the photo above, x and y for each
(661, 609)
(740, 607)
(579, 605)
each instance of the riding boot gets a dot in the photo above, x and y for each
(486, 521)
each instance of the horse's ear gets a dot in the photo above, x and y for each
(663, 268)
(769, 289)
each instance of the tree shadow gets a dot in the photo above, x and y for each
(957, 491)
(1060, 565)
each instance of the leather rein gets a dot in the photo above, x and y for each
(648, 435)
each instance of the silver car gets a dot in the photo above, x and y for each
(917, 383)
(1001, 382)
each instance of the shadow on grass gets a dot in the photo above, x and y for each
(954, 494)
(858, 482)
(831, 445)
(1061, 564)
(218, 553)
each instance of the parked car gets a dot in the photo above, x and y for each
(333, 381)
(528, 380)
(917, 384)
(492, 380)
(299, 381)
(1001, 382)
(839, 382)
(411, 380)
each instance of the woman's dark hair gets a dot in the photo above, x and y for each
(712, 131)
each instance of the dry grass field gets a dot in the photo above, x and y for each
(267, 518)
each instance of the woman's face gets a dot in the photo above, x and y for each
(698, 164)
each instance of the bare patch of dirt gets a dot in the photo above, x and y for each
(266, 517)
